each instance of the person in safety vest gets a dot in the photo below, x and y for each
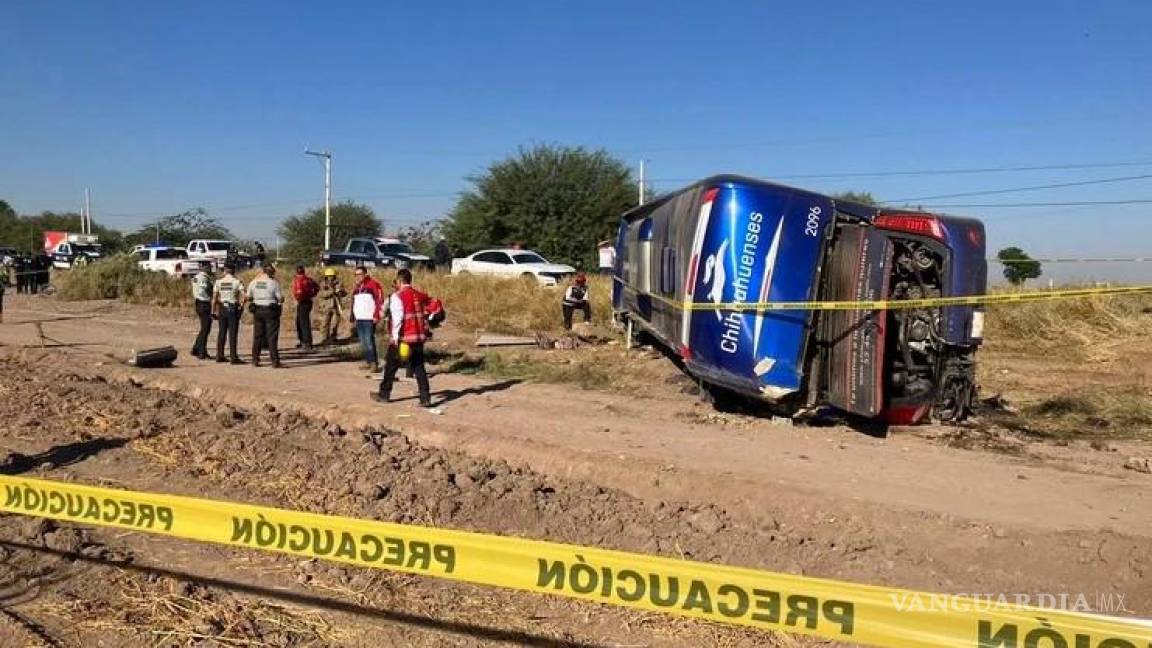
(407, 332)
(576, 299)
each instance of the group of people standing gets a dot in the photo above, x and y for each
(409, 314)
(33, 273)
(224, 300)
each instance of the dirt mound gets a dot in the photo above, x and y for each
(149, 439)
(281, 457)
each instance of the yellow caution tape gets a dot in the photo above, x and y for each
(840, 611)
(898, 304)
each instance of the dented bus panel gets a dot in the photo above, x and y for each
(728, 240)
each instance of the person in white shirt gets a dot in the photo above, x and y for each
(576, 299)
(367, 309)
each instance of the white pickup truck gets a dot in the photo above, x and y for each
(173, 261)
(216, 250)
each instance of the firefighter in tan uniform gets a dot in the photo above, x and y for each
(330, 303)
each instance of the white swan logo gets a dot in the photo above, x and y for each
(715, 276)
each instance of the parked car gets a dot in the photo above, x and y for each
(8, 255)
(171, 260)
(686, 261)
(377, 252)
(513, 263)
(71, 250)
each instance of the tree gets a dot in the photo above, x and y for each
(303, 234)
(423, 237)
(557, 200)
(26, 233)
(1018, 266)
(178, 229)
(864, 197)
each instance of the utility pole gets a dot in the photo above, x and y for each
(641, 184)
(86, 217)
(327, 155)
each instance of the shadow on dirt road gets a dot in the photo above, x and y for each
(61, 455)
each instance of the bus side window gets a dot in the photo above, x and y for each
(668, 271)
(645, 260)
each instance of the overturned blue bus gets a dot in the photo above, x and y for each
(686, 261)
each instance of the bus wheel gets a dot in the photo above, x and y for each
(955, 401)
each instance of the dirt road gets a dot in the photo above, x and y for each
(658, 473)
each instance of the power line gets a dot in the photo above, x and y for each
(1058, 185)
(287, 203)
(1075, 203)
(448, 194)
(939, 172)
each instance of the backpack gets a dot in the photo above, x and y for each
(579, 293)
(435, 313)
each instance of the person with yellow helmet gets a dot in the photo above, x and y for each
(331, 304)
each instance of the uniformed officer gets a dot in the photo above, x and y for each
(266, 301)
(42, 264)
(4, 279)
(22, 268)
(227, 306)
(202, 294)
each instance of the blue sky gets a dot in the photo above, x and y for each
(162, 106)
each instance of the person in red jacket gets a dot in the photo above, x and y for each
(408, 326)
(304, 290)
(367, 308)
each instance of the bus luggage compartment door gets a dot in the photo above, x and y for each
(853, 340)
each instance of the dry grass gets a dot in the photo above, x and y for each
(588, 370)
(1092, 328)
(175, 613)
(513, 306)
(1117, 412)
(121, 278)
(1068, 366)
